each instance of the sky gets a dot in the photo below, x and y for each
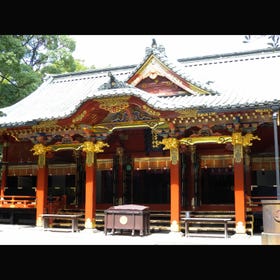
(121, 50)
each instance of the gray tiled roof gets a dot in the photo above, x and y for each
(234, 81)
(244, 80)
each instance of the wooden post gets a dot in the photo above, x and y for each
(175, 196)
(42, 182)
(238, 142)
(41, 194)
(175, 189)
(239, 195)
(90, 201)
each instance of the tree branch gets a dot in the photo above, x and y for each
(8, 80)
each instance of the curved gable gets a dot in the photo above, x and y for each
(158, 75)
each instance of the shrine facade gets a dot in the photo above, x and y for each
(197, 133)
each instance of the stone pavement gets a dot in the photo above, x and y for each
(31, 235)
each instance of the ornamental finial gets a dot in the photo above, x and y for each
(154, 43)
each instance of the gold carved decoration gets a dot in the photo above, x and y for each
(150, 111)
(71, 146)
(248, 138)
(236, 138)
(79, 117)
(110, 127)
(155, 142)
(114, 105)
(171, 144)
(91, 148)
(188, 113)
(46, 124)
(221, 139)
(238, 141)
(263, 110)
(40, 150)
(95, 148)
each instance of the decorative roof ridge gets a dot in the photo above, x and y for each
(229, 55)
(159, 51)
(91, 71)
(155, 49)
(2, 114)
(114, 83)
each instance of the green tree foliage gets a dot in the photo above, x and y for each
(25, 59)
(272, 40)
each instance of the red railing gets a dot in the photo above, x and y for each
(29, 201)
(18, 201)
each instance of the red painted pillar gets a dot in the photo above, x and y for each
(90, 199)
(175, 189)
(41, 193)
(239, 195)
(175, 196)
(42, 182)
(90, 194)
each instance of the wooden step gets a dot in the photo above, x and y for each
(160, 220)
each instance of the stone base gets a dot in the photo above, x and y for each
(240, 236)
(270, 238)
(176, 233)
(174, 227)
(90, 230)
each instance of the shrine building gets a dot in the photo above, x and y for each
(193, 134)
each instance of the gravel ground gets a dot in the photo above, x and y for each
(31, 235)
